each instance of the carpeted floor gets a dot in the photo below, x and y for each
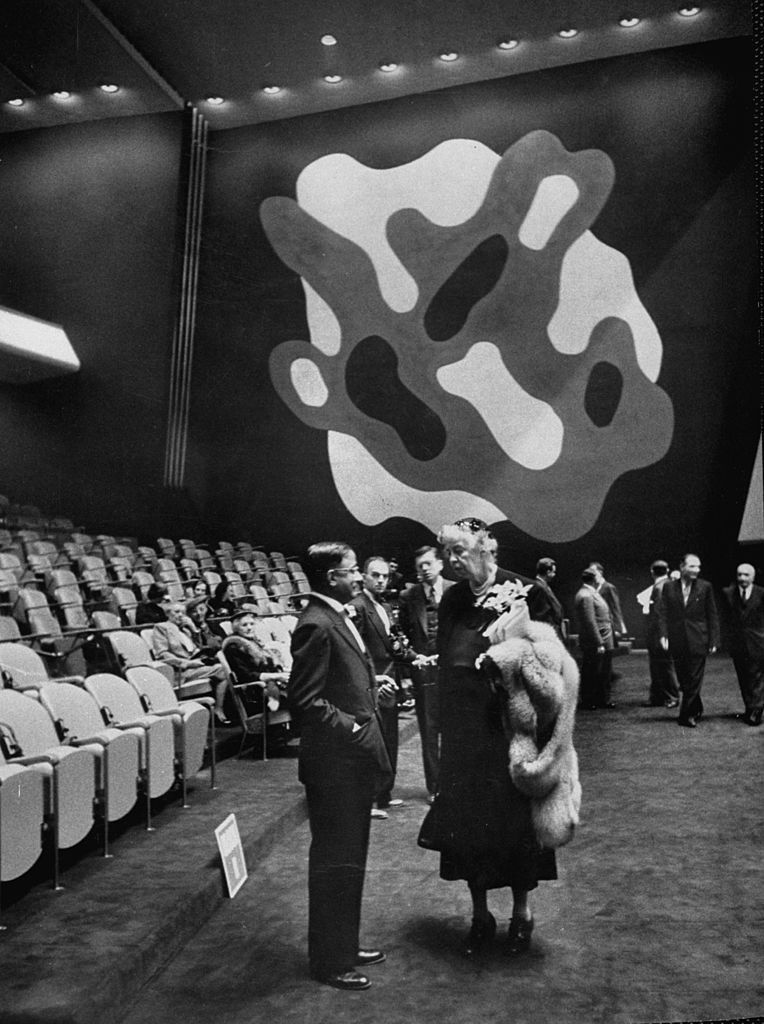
(656, 916)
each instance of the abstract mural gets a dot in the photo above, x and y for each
(473, 345)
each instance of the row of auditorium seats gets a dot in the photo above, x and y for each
(81, 749)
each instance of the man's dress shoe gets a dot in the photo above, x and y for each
(347, 981)
(753, 718)
(367, 957)
(689, 723)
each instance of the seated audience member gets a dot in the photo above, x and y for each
(196, 588)
(154, 608)
(199, 629)
(222, 604)
(252, 662)
(171, 642)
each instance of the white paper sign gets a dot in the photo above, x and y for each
(231, 854)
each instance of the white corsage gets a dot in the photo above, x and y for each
(507, 601)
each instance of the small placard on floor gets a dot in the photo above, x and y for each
(231, 854)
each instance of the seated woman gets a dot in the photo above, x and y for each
(171, 642)
(252, 662)
(220, 606)
(154, 608)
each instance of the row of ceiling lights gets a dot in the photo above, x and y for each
(387, 66)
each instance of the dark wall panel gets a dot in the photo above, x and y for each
(88, 220)
(676, 127)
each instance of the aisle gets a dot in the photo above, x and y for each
(656, 915)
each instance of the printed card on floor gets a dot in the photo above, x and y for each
(231, 854)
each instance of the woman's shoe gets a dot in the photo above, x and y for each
(221, 719)
(481, 934)
(520, 930)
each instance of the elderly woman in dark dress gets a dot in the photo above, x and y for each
(485, 831)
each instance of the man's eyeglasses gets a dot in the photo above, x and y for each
(346, 572)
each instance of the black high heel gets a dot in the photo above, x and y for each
(519, 937)
(482, 934)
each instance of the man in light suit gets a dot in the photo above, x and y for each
(418, 620)
(744, 602)
(543, 603)
(173, 642)
(595, 638)
(343, 762)
(374, 620)
(689, 630)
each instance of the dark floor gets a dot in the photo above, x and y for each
(657, 915)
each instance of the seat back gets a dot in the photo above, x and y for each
(156, 688)
(21, 667)
(29, 598)
(106, 620)
(32, 726)
(74, 707)
(128, 649)
(116, 696)
(9, 628)
(124, 605)
(143, 580)
(260, 598)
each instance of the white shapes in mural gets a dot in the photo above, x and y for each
(555, 196)
(528, 431)
(308, 383)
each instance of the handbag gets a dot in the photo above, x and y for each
(429, 837)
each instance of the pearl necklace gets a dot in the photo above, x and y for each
(483, 589)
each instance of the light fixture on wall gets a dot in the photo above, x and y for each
(567, 33)
(508, 44)
(628, 22)
(271, 90)
(16, 102)
(388, 66)
(448, 56)
(62, 94)
(214, 101)
(328, 40)
(109, 87)
(689, 11)
(332, 79)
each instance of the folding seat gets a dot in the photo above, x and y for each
(278, 561)
(244, 569)
(225, 561)
(166, 547)
(165, 565)
(145, 556)
(9, 590)
(259, 596)
(123, 605)
(260, 560)
(212, 579)
(6, 540)
(300, 584)
(78, 721)
(227, 546)
(24, 795)
(187, 548)
(9, 629)
(205, 559)
(130, 650)
(84, 540)
(121, 707)
(126, 551)
(29, 598)
(293, 567)
(60, 524)
(47, 549)
(193, 721)
(31, 733)
(12, 563)
(27, 536)
(119, 568)
(143, 580)
(244, 548)
(253, 724)
(22, 668)
(189, 569)
(73, 551)
(238, 591)
(106, 621)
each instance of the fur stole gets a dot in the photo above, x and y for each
(540, 680)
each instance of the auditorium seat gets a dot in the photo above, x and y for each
(121, 707)
(129, 650)
(9, 590)
(9, 629)
(205, 559)
(79, 721)
(244, 569)
(29, 598)
(252, 724)
(124, 605)
(24, 796)
(189, 569)
(84, 540)
(75, 769)
(106, 621)
(259, 595)
(278, 560)
(146, 556)
(23, 669)
(143, 580)
(12, 563)
(166, 547)
(193, 721)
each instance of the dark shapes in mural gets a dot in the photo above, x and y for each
(603, 393)
(470, 282)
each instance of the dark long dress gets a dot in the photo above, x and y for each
(485, 830)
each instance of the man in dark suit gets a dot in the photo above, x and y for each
(343, 762)
(595, 638)
(744, 603)
(609, 593)
(418, 620)
(664, 689)
(689, 630)
(374, 620)
(543, 603)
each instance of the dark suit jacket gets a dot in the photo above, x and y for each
(371, 627)
(610, 596)
(454, 603)
(544, 606)
(745, 622)
(692, 628)
(653, 633)
(412, 616)
(331, 688)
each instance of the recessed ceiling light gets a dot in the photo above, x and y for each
(215, 101)
(332, 79)
(271, 90)
(449, 55)
(62, 94)
(17, 102)
(628, 22)
(508, 44)
(689, 12)
(328, 40)
(109, 87)
(389, 65)
(567, 33)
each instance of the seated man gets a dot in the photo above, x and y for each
(173, 644)
(251, 661)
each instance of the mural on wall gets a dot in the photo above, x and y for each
(473, 345)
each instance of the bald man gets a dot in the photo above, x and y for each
(744, 605)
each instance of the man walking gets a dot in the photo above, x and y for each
(343, 762)
(689, 631)
(418, 619)
(744, 603)
(664, 689)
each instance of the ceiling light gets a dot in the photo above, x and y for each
(109, 87)
(567, 33)
(389, 65)
(628, 22)
(215, 101)
(271, 90)
(62, 94)
(17, 102)
(332, 79)
(449, 56)
(328, 40)
(508, 44)
(689, 12)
